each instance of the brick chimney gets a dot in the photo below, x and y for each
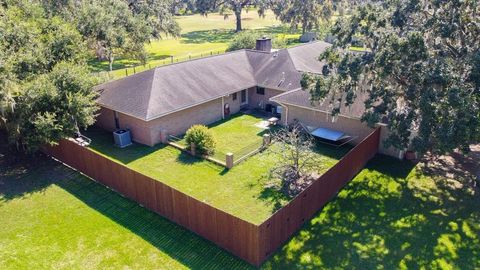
(264, 44)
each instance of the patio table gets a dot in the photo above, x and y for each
(272, 121)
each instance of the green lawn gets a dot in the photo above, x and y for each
(239, 191)
(55, 218)
(391, 216)
(200, 36)
(237, 132)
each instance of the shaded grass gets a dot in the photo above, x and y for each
(391, 216)
(236, 191)
(60, 219)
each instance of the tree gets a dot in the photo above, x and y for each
(202, 138)
(117, 26)
(55, 106)
(45, 89)
(207, 6)
(421, 72)
(158, 15)
(111, 28)
(304, 13)
(295, 167)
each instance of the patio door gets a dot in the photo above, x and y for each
(243, 97)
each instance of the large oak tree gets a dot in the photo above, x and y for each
(45, 88)
(207, 6)
(421, 70)
(304, 14)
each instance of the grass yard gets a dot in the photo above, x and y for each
(54, 218)
(201, 36)
(391, 216)
(239, 191)
(237, 132)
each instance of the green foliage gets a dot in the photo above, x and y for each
(158, 16)
(45, 89)
(224, 7)
(242, 40)
(114, 27)
(304, 14)
(202, 138)
(111, 28)
(55, 106)
(420, 72)
(248, 39)
(32, 43)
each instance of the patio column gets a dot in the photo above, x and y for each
(266, 139)
(229, 160)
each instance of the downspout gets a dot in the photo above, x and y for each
(286, 115)
(223, 107)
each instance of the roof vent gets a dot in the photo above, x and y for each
(264, 44)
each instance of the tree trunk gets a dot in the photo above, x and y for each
(110, 60)
(100, 51)
(238, 17)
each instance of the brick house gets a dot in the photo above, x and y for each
(172, 98)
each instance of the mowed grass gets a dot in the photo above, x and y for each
(55, 218)
(239, 191)
(236, 132)
(200, 36)
(391, 216)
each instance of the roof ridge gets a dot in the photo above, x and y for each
(200, 58)
(306, 44)
(147, 113)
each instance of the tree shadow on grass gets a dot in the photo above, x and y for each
(180, 244)
(187, 159)
(389, 216)
(19, 178)
(210, 36)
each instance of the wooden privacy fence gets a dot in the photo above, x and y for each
(227, 231)
(251, 242)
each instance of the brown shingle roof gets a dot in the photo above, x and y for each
(163, 90)
(305, 57)
(302, 98)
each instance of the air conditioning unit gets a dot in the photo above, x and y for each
(122, 138)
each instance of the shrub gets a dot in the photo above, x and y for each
(248, 40)
(243, 40)
(202, 138)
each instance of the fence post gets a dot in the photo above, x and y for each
(164, 136)
(266, 139)
(126, 72)
(193, 149)
(229, 160)
(171, 58)
(134, 71)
